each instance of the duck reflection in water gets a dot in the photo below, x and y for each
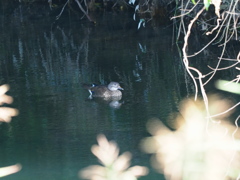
(110, 93)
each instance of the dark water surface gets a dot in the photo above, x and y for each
(45, 64)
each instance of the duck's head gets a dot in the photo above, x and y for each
(113, 86)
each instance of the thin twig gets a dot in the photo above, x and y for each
(224, 68)
(181, 15)
(86, 14)
(58, 16)
(185, 57)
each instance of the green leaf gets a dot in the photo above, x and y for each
(207, 3)
(193, 1)
(228, 86)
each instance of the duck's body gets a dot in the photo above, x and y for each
(111, 90)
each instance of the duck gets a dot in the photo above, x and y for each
(113, 89)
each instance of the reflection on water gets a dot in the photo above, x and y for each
(113, 102)
(45, 65)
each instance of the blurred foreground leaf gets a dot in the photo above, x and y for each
(228, 86)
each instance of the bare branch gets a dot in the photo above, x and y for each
(85, 12)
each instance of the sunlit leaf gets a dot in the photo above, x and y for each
(193, 1)
(140, 22)
(143, 49)
(217, 3)
(144, 24)
(192, 151)
(6, 113)
(4, 171)
(131, 2)
(136, 8)
(114, 167)
(207, 3)
(227, 86)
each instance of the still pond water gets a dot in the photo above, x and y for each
(45, 63)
